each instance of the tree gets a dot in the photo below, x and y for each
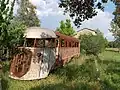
(116, 33)
(66, 28)
(98, 32)
(81, 10)
(16, 33)
(15, 36)
(92, 44)
(11, 31)
(26, 13)
(6, 15)
(115, 29)
(116, 19)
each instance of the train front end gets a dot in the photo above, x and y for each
(37, 57)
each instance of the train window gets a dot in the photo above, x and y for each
(30, 42)
(56, 42)
(69, 44)
(73, 44)
(47, 42)
(50, 43)
(40, 43)
(62, 43)
(66, 43)
(77, 44)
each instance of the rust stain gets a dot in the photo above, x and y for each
(21, 63)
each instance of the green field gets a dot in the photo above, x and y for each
(79, 74)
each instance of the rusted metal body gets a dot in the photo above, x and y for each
(43, 50)
(68, 47)
(21, 63)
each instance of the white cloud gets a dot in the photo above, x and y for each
(101, 21)
(47, 7)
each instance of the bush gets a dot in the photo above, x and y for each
(92, 44)
(114, 44)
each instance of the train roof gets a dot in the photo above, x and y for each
(68, 38)
(37, 32)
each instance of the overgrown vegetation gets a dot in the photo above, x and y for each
(92, 44)
(76, 75)
(6, 15)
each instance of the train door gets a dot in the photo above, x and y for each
(48, 57)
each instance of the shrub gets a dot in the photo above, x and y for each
(92, 44)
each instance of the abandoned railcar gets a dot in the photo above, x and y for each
(38, 55)
(67, 47)
(42, 51)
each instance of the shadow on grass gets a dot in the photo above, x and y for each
(107, 86)
(75, 77)
(4, 72)
(61, 86)
(111, 66)
(72, 72)
(4, 84)
(5, 66)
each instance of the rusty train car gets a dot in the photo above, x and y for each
(42, 51)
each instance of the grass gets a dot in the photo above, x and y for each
(112, 49)
(79, 74)
(110, 55)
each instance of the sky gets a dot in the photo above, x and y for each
(50, 15)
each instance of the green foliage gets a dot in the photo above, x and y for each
(116, 33)
(16, 33)
(27, 14)
(6, 14)
(112, 44)
(116, 19)
(81, 10)
(115, 29)
(92, 44)
(11, 30)
(66, 28)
